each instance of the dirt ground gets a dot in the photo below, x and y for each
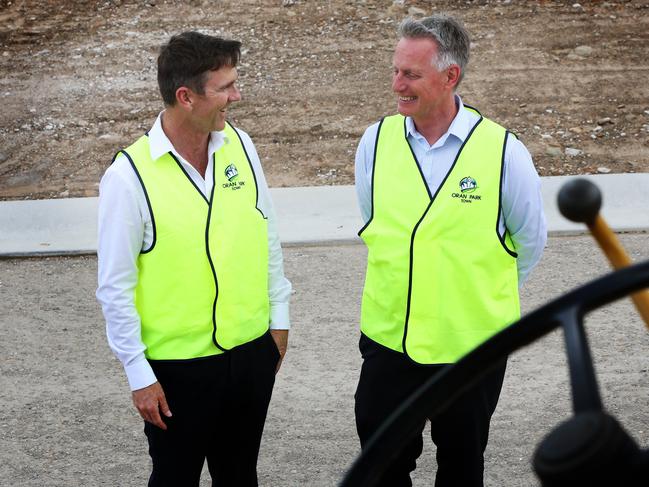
(66, 418)
(77, 81)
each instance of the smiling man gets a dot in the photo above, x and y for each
(453, 224)
(191, 277)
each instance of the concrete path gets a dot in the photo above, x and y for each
(307, 216)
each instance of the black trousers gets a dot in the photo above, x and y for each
(460, 433)
(219, 406)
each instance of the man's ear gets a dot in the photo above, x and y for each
(184, 97)
(453, 75)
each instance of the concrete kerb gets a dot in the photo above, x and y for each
(625, 202)
(48, 227)
(312, 215)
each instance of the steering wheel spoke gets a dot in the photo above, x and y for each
(585, 391)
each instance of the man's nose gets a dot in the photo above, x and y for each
(397, 83)
(235, 95)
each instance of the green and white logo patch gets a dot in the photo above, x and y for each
(231, 172)
(234, 182)
(468, 185)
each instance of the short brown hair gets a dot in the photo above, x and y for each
(188, 57)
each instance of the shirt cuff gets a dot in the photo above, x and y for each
(279, 319)
(139, 374)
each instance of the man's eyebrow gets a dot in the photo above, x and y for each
(230, 83)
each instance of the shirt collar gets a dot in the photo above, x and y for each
(460, 126)
(159, 143)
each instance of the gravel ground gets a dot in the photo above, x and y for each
(66, 418)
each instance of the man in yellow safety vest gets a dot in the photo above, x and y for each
(453, 224)
(191, 277)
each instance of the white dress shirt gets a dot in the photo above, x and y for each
(522, 204)
(125, 229)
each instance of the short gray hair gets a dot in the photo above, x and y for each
(452, 39)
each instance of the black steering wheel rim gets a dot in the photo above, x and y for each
(444, 388)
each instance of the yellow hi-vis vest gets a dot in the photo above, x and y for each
(203, 284)
(440, 278)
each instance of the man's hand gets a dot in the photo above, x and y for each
(281, 340)
(150, 402)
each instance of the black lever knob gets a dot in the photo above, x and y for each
(580, 200)
(591, 449)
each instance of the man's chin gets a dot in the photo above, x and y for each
(403, 111)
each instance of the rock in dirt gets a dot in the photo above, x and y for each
(572, 152)
(584, 51)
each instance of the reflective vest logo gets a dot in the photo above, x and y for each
(468, 185)
(231, 172)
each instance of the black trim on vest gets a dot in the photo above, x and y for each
(146, 197)
(414, 231)
(473, 108)
(376, 144)
(188, 176)
(252, 170)
(500, 201)
(207, 230)
(115, 157)
(180, 361)
(209, 259)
